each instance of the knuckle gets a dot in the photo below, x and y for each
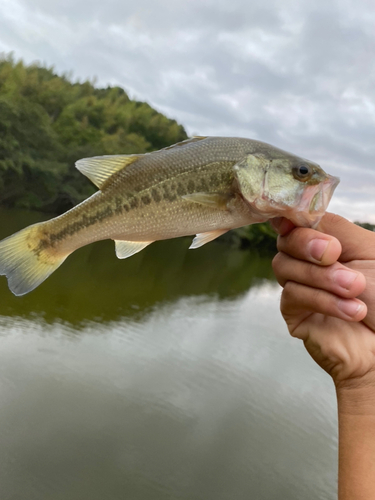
(280, 268)
(329, 351)
(288, 292)
(276, 262)
(293, 333)
(334, 219)
(311, 272)
(316, 296)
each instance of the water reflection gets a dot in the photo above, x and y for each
(200, 399)
(169, 375)
(94, 285)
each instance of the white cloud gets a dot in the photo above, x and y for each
(298, 75)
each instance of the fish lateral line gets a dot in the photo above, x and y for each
(236, 181)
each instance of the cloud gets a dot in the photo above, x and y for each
(298, 75)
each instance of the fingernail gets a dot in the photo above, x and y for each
(276, 223)
(282, 225)
(317, 248)
(349, 307)
(344, 278)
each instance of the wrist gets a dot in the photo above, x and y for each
(356, 398)
(356, 418)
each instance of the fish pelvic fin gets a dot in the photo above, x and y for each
(26, 259)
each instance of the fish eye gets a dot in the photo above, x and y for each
(302, 172)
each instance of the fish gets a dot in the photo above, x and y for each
(203, 186)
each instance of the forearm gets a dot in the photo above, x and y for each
(356, 413)
(333, 312)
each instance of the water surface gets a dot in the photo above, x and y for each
(169, 375)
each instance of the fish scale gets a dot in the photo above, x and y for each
(204, 186)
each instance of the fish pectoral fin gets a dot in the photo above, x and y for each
(100, 168)
(203, 238)
(126, 249)
(213, 200)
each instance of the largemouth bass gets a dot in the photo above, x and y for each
(204, 186)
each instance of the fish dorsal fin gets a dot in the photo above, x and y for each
(100, 168)
(195, 138)
(125, 249)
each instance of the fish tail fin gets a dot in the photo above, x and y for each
(27, 259)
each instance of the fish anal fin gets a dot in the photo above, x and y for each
(100, 168)
(203, 238)
(125, 249)
(213, 200)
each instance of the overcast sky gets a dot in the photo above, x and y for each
(297, 74)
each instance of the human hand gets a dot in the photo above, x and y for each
(328, 301)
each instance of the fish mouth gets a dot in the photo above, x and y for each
(314, 202)
(321, 198)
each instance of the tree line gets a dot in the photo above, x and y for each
(47, 122)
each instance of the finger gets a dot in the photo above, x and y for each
(296, 299)
(337, 278)
(282, 225)
(357, 243)
(310, 245)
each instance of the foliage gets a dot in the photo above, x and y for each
(47, 122)
(366, 225)
(258, 236)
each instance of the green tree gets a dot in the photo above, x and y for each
(47, 122)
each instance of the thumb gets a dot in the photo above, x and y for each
(357, 243)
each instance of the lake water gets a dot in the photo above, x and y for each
(169, 375)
